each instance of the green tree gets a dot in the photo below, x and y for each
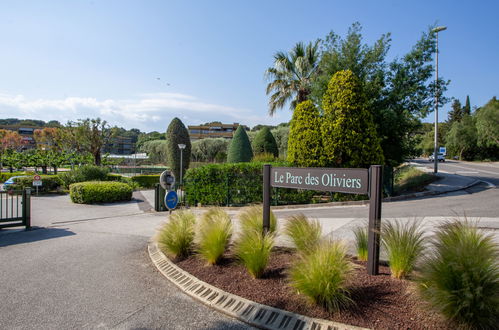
(156, 150)
(88, 135)
(349, 136)
(265, 142)
(175, 135)
(456, 114)
(462, 138)
(240, 147)
(467, 106)
(209, 150)
(305, 141)
(281, 135)
(291, 76)
(487, 124)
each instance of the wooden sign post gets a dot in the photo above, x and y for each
(345, 180)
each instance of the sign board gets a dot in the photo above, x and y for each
(345, 180)
(37, 183)
(171, 200)
(37, 178)
(167, 180)
(443, 150)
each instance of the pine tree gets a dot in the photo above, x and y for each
(467, 106)
(348, 132)
(175, 135)
(240, 147)
(265, 142)
(305, 142)
(456, 114)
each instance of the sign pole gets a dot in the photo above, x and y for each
(266, 198)
(375, 195)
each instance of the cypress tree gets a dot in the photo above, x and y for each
(264, 142)
(175, 135)
(305, 142)
(467, 106)
(240, 147)
(348, 132)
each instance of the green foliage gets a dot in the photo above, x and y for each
(213, 235)
(265, 157)
(210, 150)
(49, 183)
(460, 279)
(175, 135)
(89, 135)
(487, 124)
(456, 114)
(467, 106)
(265, 142)
(84, 173)
(240, 147)
(281, 135)
(462, 138)
(404, 244)
(156, 150)
(92, 192)
(176, 238)
(146, 181)
(409, 178)
(253, 249)
(322, 276)
(305, 141)
(304, 234)
(361, 237)
(251, 219)
(349, 135)
(4, 176)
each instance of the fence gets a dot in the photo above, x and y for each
(15, 208)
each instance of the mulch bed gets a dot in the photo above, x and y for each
(381, 302)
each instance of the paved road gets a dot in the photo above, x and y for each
(89, 269)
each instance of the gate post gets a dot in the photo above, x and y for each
(266, 198)
(26, 207)
(375, 196)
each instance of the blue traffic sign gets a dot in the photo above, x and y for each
(171, 200)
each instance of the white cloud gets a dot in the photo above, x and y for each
(148, 111)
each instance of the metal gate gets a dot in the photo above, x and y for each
(15, 208)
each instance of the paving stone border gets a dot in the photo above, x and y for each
(255, 314)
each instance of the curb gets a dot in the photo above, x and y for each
(255, 314)
(429, 193)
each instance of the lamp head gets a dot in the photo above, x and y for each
(181, 146)
(439, 28)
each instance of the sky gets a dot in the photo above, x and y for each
(139, 64)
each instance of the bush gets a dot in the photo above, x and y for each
(461, 278)
(146, 181)
(4, 176)
(264, 142)
(99, 192)
(253, 249)
(251, 219)
(49, 183)
(304, 234)
(177, 235)
(240, 147)
(409, 178)
(84, 173)
(322, 275)
(360, 233)
(404, 244)
(213, 235)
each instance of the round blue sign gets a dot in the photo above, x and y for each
(171, 200)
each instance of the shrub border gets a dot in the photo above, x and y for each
(250, 312)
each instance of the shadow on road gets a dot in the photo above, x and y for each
(37, 234)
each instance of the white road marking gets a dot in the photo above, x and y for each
(466, 172)
(479, 171)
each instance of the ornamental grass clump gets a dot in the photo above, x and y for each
(305, 234)
(251, 218)
(360, 233)
(460, 279)
(214, 231)
(322, 275)
(177, 235)
(404, 243)
(253, 249)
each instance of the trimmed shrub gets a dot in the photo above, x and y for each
(4, 176)
(84, 173)
(49, 183)
(461, 278)
(322, 275)
(404, 244)
(304, 234)
(251, 219)
(253, 249)
(240, 147)
(264, 142)
(99, 192)
(361, 233)
(214, 231)
(146, 181)
(114, 177)
(176, 238)
(177, 134)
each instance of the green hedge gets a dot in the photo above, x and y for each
(49, 183)
(84, 173)
(146, 181)
(4, 176)
(99, 192)
(236, 184)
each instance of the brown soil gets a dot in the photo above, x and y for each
(381, 302)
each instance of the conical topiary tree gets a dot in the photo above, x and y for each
(175, 135)
(240, 147)
(264, 142)
(348, 132)
(305, 141)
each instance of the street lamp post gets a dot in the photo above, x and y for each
(181, 146)
(435, 149)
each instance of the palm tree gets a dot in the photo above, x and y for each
(291, 75)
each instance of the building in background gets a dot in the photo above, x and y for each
(213, 130)
(120, 145)
(27, 133)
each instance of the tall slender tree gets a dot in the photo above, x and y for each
(467, 106)
(456, 114)
(240, 147)
(177, 134)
